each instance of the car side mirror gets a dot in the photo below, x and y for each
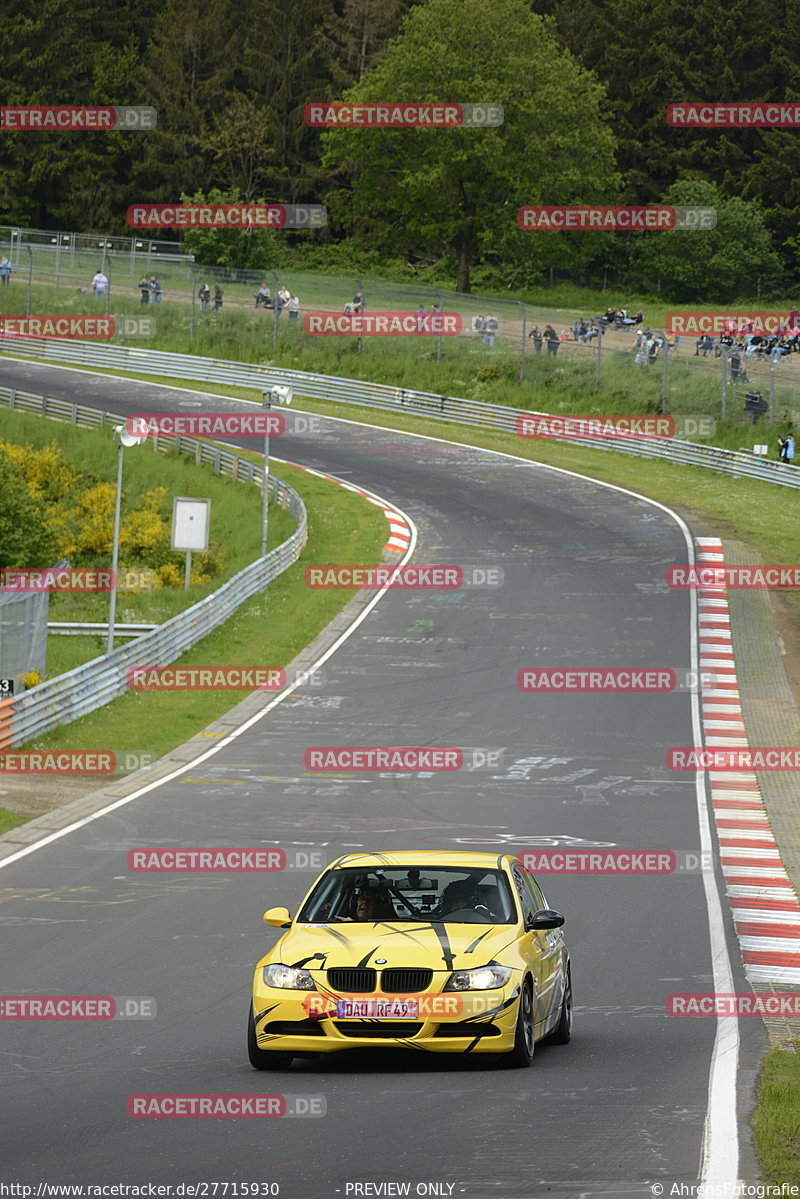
(543, 919)
(278, 917)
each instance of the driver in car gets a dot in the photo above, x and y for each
(457, 896)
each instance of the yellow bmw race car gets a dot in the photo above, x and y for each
(444, 952)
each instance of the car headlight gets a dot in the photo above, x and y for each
(288, 978)
(481, 978)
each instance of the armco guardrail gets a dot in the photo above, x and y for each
(87, 687)
(394, 399)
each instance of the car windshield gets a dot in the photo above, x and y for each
(433, 894)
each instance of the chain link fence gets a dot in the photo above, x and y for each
(494, 339)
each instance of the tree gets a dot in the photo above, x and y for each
(456, 191)
(360, 31)
(26, 541)
(63, 53)
(733, 259)
(253, 249)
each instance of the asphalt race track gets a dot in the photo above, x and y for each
(625, 1103)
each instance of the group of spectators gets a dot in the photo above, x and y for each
(150, 289)
(283, 299)
(647, 345)
(752, 345)
(620, 318)
(549, 335)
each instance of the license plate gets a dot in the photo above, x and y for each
(377, 1009)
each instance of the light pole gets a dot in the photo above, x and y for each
(30, 278)
(275, 395)
(123, 438)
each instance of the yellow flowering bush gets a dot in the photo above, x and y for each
(75, 513)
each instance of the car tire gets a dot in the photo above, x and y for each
(563, 1030)
(524, 1036)
(264, 1059)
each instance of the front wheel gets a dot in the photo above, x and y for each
(524, 1039)
(563, 1030)
(264, 1059)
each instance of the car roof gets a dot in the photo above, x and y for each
(429, 858)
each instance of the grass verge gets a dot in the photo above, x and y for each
(776, 1120)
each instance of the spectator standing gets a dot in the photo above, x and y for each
(536, 334)
(640, 346)
(5, 271)
(204, 295)
(293, 307)
(99, 285)
(786, 452)
(551, 337)
(217, 298)
(155, 290)
(144, 288)
(490, 327)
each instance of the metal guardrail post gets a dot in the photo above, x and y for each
(275, 309)
(664, 376)
(772, 391)
(360, 308)
(600, 331)
(30, 278)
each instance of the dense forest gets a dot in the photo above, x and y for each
(584, 93)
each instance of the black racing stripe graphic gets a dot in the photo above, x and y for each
(444, 941)
(366, 957)
(265, 1012)
(314, 957)
(340, 937)
(398, 932)
(472, 1045)
(477, 941)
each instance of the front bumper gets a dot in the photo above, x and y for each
(302, 1022)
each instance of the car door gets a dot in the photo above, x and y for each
(556, 950)
(541, 947)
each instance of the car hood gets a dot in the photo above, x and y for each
(431, 946)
